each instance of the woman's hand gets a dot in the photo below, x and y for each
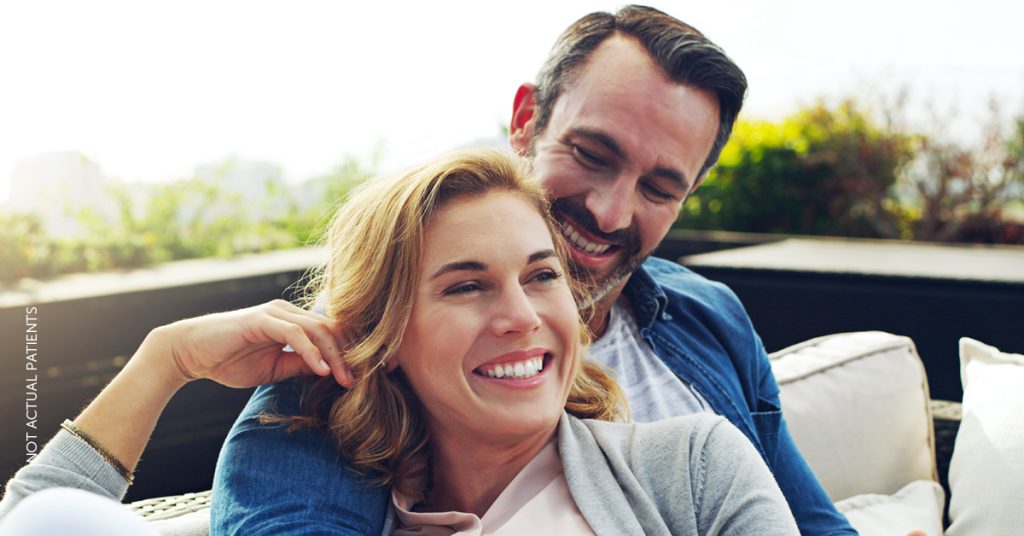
(245, 348)
(241, 348)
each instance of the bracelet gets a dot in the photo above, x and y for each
(118, 466)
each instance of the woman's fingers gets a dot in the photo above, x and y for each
(295, 336)
(319, 331)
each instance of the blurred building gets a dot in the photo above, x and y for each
(56, 186)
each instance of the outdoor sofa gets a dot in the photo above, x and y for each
(858, 406)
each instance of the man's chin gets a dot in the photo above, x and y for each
(600, 285)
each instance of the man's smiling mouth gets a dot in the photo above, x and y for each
(579, 242)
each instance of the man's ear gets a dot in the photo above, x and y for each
(699, 180)
(520, 130)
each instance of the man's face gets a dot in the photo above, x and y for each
(622, 149)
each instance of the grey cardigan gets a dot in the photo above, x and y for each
(690, 475)
(695, 474)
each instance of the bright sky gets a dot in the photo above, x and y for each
(150, 90)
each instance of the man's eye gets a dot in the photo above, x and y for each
(587, 158)
(656, 194)
(462, 288)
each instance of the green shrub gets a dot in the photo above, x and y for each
(820, 171)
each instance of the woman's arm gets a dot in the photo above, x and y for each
(737, 493)
(240, 348)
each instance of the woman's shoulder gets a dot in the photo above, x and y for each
(686, 474)
(666, 440)
(693, 425)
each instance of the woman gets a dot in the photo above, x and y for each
(466, 349)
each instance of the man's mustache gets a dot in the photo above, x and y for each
(627, 239)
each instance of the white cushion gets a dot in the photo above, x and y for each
(986, 473)
(857, 407)
(918, 506)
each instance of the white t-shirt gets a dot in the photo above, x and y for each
(653, 390)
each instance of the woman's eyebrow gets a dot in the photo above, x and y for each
(540, 255)
(477, 266)
(473, 266)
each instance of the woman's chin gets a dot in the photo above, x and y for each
(522, 421)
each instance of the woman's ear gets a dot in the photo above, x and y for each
(391, 364)
(520, 129)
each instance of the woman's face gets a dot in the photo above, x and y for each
(493, 340)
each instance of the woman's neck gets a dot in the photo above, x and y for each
(468, 476)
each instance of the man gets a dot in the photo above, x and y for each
(626, 118)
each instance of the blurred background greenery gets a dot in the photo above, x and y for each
(851, 170)
(190, 218)
(845, 169)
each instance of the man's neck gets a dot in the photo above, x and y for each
(598, 324)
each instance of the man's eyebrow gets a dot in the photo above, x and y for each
(609, 143)
(477, 266)
(597, 136)
(672, 175)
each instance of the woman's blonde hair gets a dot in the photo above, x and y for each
(367, 287)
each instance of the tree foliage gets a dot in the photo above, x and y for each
(840, 171)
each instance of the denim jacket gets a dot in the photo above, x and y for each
(701, 331)
(270, 482)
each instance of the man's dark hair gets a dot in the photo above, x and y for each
(684, 54)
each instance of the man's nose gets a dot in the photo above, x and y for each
(515, 313)
(611, 204)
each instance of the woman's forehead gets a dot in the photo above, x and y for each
(493, 224)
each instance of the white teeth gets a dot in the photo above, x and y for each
(582, 243)
(523, 369)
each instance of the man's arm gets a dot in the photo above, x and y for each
(813, 510)
(271, 482)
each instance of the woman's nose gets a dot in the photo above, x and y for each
(515, 313)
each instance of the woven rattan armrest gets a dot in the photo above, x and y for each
(172, 506)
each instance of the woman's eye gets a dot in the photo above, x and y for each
(462, 288)
(548, 276)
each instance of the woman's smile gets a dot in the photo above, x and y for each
(521, 369)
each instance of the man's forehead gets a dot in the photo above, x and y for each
(621, 58)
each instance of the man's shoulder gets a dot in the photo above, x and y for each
(679, 281)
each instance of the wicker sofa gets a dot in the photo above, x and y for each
(858, 407)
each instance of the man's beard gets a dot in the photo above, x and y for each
(627, 240)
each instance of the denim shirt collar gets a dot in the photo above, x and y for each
(646, 296)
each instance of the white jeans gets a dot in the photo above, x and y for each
(72, 511)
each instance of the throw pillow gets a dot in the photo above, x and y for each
(986, 473)
(857, 405)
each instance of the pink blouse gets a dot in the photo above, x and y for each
(537, 501)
